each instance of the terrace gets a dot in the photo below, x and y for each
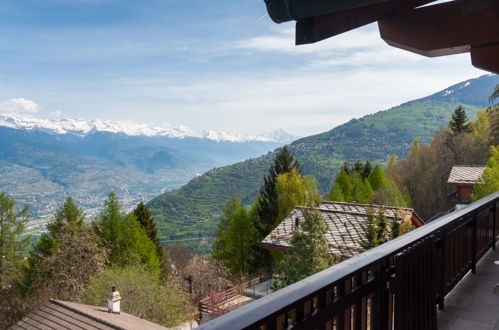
(439, 276)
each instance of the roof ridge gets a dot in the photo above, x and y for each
(468, 166)
(369, 205)
(92, 317)
(345, 211)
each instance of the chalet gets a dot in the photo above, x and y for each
(462, 178)
(344, 223)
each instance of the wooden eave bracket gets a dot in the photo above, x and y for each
(448, 28)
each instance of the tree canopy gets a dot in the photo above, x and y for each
(267, 205)
(489, 182)
(309, 252)
(12, 243)
(124, 236)
(294, 190)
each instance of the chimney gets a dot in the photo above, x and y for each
(113, 301)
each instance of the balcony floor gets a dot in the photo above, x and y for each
(472, 304)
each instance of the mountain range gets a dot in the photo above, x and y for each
(42, 161)
(194, 209)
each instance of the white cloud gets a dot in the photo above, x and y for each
(282, 41)
(19, 105)
(55, 114)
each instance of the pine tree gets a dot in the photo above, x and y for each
(344, 185)
(241, 243)
(220, 245)
(309, 252)
(268, 210)
(377, 178)
(12, 244)
(392, 163)
(124, 237)
(69, 214)
(143, 216)
(459, 121)
(381, 227)
(366, 171)
(394, 228)
(369, 232)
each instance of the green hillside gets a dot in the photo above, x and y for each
(194, 209)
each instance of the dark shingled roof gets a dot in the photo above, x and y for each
(344, 222)
(465, 174)
(67, 315)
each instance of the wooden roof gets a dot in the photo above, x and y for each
(67, 315)
(344, 223)
(453, 27)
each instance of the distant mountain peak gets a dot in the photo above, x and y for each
(83, 127)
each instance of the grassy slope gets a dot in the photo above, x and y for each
(194, 209)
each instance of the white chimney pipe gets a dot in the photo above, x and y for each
(113, 301)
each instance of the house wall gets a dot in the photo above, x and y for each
(465, 191)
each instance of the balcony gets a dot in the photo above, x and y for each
(397, 285)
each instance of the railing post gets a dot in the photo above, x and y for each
(494, 229)
(441, 284)
(380, 300)
(473, 244)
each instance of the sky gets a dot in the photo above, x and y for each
(208, 64)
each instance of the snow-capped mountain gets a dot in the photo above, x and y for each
(83, 127)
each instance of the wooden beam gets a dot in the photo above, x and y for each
(288, 10)
(486, 57)
(321, 27)
(444, 29)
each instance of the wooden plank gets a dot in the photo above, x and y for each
(321, 27)
(443, 29)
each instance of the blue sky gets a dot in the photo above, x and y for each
(207, 64)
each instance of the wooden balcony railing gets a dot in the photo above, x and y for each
(397, 285)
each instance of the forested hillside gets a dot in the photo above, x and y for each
(194, 209)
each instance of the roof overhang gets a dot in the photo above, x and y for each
(443, 29)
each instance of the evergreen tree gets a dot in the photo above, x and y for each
(125, 238)
(336, 194)
(12, 244)
(268, 210)
(369, 232)
(69, 214)
(377, 178)
(361, 191)
(343, 185)
(220, 245)
(375, 230)
(366, 171)
(381, 227)
(389, 194)
(143, 216)
(309, 252)
(294, 190)
(489, 182)
(394, 228)
(392, 163)
(459, 121)
(241, 243)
